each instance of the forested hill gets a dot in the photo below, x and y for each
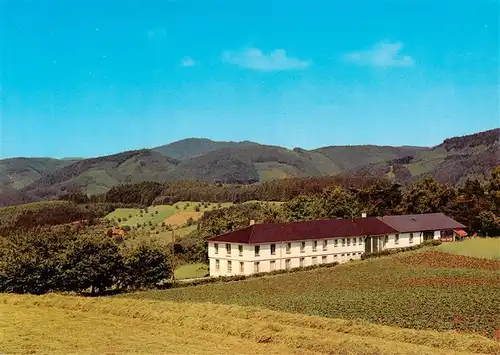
(453, 161)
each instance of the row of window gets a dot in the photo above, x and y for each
(272, 263)
(288, 247)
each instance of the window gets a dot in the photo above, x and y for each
(273, 249)
(386, 239)
(335, 243)
(348, 241)
(411, 238)
(354, 241)
(288, 248)
(302, 247)
(272, 265)
(335, 256)
(242, 267)
(257, 250)
(325, 244)
(287, 264)
(314, 260)
(323, 259)
(396, 239)
(360, 241)
(229, 266)
(315, 245)
(228, 249)
(240, 250)
(216, 246)
(217, 265)
(301, 261)
(256, 267)
(343, 242)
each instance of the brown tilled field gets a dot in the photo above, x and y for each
(435, 259)
(180, 218)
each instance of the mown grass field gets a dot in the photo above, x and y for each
(486, 248)
(426, 289)
(188, 271)
(57, 324)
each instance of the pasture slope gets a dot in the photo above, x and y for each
(57, 324)
(160, 216)
(483, 248)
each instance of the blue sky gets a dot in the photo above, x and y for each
(88, 78)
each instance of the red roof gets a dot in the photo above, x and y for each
(281, 232)
(461, 232)
(421, 222)
(321, 229)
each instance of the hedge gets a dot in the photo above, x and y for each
(177, 284)
(386, 252)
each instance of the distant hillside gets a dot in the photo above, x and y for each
(32, 179)
(248, 164)
(452, 161)
(98, 175)
(193, 147)
(350, 157)
(17, 173)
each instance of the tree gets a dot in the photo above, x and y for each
(299, 208)
(493, 189)
(468, 203)
(381, 198)
(426, 196)
(490, 223)
(31, 262)
(335, 202)
(91, 261)
(145, 265)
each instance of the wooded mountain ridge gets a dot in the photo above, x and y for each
(452, 161)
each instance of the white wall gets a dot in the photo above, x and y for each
(340, 253)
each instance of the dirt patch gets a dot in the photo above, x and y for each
(449, 281)
(444, 260)
(180, 218)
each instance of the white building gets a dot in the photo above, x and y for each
(276, 246)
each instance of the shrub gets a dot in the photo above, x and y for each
(156, 212)
(197, 208)
(386, 252)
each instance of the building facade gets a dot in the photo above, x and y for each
(268, 247)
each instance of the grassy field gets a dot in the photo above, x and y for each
(158, 214)
(486, 248)
(152, 224)
(188, 271)
(422, 290)
(56, 324)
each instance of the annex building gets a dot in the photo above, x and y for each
(275, 246)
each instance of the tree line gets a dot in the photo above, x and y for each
(45, 260)
(474, 204)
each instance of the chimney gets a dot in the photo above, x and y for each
(363, 215)
(252, 222)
